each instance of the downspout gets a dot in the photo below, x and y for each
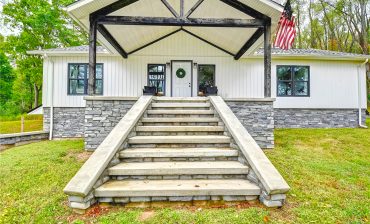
(51, 97)
(359, 94)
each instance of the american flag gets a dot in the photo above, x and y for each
(286, 32)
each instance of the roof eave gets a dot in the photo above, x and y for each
(314, 57)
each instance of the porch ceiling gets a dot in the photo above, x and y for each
(134, 37)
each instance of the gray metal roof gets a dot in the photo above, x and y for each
(275, 52)
(310, 52)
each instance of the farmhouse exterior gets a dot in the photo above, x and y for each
(219, 96)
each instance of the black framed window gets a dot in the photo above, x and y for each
(206, 77)
(78, 76)
(293, 80)
(157, 77)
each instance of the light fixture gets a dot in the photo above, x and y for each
(195, 65)
(168, 64)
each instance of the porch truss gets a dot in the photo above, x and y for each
(101, 17)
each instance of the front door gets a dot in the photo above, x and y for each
(181, 78)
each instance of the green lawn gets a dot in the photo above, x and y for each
(10, 124)
(328, 171)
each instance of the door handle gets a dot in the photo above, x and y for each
(189, 84)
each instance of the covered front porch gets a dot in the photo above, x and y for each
(233, 29)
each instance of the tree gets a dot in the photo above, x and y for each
(40, 25)
(6, 80)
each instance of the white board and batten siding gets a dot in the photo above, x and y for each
(333, 83)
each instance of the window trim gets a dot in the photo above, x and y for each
(86, 84)
(293, 81)
(164, 73)
(198, 72)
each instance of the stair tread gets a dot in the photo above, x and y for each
(181, 128)
(179, 139)
(195, 104)
(177, 152)
(179, 168)
(137, 188)
(180, 119)
(181, 99)
(187, 112)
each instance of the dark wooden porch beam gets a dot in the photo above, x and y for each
(267, 59)
(154, 41)
(170, 8)
(165, 21)
(246, 9)
(112, 41)
(193, 8)
(249, 43)
(112, 7)
(92, 56)
(206, 41)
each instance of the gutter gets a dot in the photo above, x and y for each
(359, 94)
(51, 97)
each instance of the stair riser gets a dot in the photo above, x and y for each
(182, 159)
(181, 124)
(179, 145)
(159, 133)
(179, 115)
(179, 177)
(180, 108)
(193, 199)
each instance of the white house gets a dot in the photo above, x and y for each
(185, 49)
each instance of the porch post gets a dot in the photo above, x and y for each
(92, 55)
(267, 58)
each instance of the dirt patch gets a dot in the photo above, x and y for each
(79, 156)
(146, 215)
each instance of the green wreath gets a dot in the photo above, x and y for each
(180, 73)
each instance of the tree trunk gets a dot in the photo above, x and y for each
(37, 93)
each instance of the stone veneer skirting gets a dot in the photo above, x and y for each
(68, 122)
(258, 118)
(317, 118)
(101, 116)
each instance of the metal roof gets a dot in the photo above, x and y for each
(276, 52)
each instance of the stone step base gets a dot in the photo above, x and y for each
(179, 159)
(180, 139)
(177, 189)
(178, 168)
(177, 153)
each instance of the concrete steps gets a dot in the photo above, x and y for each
(175, 188)
(177, 152)
(178, 168)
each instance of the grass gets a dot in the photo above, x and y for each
(12, 124)
(327, 169)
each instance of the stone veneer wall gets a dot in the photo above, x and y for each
(68, 122)
(101, 116)
(317, 118)
(258, 118)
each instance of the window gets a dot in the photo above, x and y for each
(78, 76)
(206, 77)
(293, 80)
(157, 77)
